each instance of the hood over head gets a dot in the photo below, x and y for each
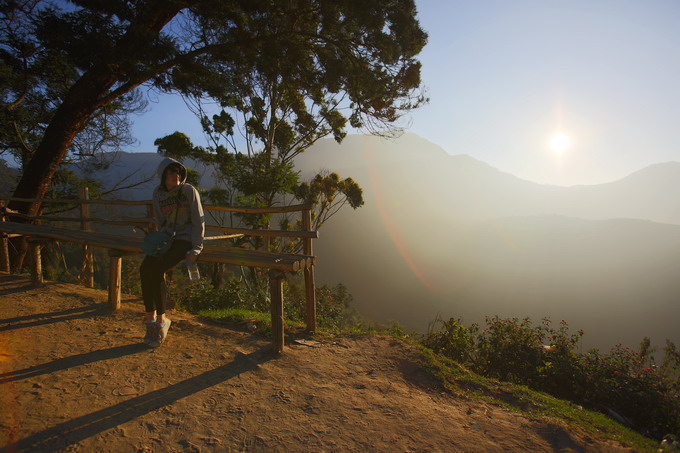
(165, 163)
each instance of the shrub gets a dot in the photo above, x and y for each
(624, 381)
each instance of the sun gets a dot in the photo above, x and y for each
(559, 143)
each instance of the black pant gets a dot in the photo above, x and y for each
(153, 269)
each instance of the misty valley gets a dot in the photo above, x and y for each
(450, 236)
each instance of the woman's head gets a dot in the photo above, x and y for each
(172, 173)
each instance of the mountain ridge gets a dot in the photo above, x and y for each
(437, 235)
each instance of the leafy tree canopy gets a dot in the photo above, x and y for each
(79, 59)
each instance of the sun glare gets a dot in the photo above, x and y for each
(559, 143)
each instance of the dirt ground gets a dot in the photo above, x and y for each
(75, 377)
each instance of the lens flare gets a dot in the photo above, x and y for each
(390, 224)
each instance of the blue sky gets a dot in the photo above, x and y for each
(503, 76)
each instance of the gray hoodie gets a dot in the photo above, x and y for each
(186, 220)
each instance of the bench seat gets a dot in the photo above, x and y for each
(133, 244)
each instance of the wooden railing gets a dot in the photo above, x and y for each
(89, 239)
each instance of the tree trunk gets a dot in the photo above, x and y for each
(82, 100)
(69, 119)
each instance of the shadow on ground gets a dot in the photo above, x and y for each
(73, 431)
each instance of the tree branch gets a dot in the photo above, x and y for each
(22, 143)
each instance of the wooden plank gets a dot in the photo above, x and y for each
(116, 263)
(243, 210)
(270, 210)
(276, 292)
(36, 265)
(129, 243)
(246, 258)
(127, 221)
(256, 258)
(224, 236)
(61, 201)
(310, 288)
(265, 233)
(303, 259)
(217, 254)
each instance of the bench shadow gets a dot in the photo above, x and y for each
(68, 433)
(20, 289)
(72, 361)
(39, 319)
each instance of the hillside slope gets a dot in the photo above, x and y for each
(73, 376)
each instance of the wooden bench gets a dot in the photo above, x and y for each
(121, 245)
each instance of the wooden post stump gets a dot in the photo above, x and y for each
(276, 291)
(4, 253)
(310, 290)
(88, 270)
(36, 264)
(116, 263)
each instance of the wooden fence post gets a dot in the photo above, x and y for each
(88, 271)
(276, 291)
(310, 291)
(4, 243)
(115, 263)
(36, 264)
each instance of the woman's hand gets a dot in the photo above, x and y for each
(191, 258)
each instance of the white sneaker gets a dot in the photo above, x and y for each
(151, 332)
(161, 333)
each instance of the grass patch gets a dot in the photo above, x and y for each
(532, 404)
(261, 320)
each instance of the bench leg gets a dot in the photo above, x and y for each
(4, 253)
(114, 281)
(36, 265)
(276, 290)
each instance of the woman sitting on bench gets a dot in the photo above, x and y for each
(178, 213)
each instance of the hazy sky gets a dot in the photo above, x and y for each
(504, 76)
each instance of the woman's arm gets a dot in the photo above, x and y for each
(197, 223)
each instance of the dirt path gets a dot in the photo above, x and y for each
(74, 377)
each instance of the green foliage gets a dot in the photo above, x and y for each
(334, 309)
(8, 178)
(287, 73)
(333, 305)
(66, 185)
(545, 358)
(130, 282)
(329, 193)
(530, 403)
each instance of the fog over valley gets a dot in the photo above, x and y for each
(452, 236)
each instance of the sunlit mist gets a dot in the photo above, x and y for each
(559, 143)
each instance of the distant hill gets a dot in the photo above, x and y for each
(453, 235)
(472, 190)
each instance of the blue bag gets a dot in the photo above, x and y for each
(156, 243)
